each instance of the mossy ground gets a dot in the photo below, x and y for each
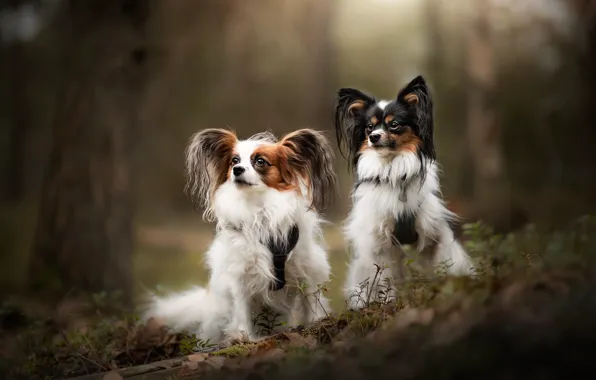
(530, 291)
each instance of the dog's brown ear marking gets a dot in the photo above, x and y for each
(357, 105)
(310, 157)
(411, 98)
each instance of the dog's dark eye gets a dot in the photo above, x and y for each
(369, 128)
(260, 162)
(394, 126)
(235, 160)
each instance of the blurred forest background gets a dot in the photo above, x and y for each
(98, 99)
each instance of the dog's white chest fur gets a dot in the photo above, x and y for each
(242, 227)
(386, 190)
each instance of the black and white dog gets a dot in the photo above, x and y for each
(396, 198)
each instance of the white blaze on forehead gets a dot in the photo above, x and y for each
(245, 149)
(382, 104)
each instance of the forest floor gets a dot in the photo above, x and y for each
(530, 312)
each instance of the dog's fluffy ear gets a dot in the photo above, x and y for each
(208, 158)
(350, 107)
(309, 156)
(417, 95)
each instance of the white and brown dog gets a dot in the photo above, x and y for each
(265, 197)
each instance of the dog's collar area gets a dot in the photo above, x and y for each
(384, 181)
(280, 251)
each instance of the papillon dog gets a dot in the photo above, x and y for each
(396, 198)
(266, 197)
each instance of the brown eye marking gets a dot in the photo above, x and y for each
(371, 124)
(271, 170)
(406, 141)
(389, 119)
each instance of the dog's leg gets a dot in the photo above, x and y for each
(368, 269)
(313, 270)
(433, 223)
(391, 276)
(451, 255)
(240, 326)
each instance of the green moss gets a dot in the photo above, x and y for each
(234, 351)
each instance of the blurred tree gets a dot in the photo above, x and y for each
(278, 61)
(432, 21)
(19, 120)
(586, 14)
(487, 180)
(84, 235)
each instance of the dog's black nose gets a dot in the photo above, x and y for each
(237, 170)
(374, 138)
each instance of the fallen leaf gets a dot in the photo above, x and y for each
(197, 357)
(112, 376)
(264, 346)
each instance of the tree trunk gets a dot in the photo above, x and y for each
(84, 237)
(490, 188)
(18, 118)
(432, 20)
(19, 123)
(281, 44)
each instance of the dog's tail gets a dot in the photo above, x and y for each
(191, 310)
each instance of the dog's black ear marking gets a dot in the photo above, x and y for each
(417, 96)
(280, 251)
(350, 110)
(404, 231)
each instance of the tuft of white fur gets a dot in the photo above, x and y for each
(240, 266)
(370, 224)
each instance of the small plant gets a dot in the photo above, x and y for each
(267, 321)
(315, 294)
(190, 344)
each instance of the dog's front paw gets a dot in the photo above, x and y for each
(241, 335)
(228, 342)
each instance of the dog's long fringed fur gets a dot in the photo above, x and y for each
(265, 196)
(397, 197)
